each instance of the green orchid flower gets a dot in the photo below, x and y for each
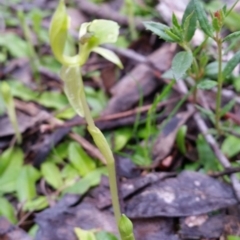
(91, 35)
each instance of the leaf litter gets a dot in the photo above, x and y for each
(173, 205)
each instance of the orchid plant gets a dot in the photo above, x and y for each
(91, 35)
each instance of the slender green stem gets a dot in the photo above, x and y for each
(114, 191)
(104, 148)
(220, 83)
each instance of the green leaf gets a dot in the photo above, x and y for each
(7, 210)
(175, 22)
(10, 174)
(5, 159)
(227, 107)
(105, 236)
(173, 35)
(109, 55)
(202, 18)
(182, 61)
(37, 204)
(206, 84)
(189, 21)
(231, 64)
(80, 160)
(125, 227)
(206, 156)
(17, 47)
(231, 237)
(159, 29)
(180, 139)
(92, 179)
(73, 87)
(52, 174)
(211, 69)
(26, 180)
(232, 36)
(55, 100)
(84, 234)
(231, 146)
(121, 137)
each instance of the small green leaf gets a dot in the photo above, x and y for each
(180, 139)
(175, 22)
(232, 36)
(109, 55)
(105, 236)
(231, 146)
(202, 18)
(121, 137)
(10, 174)
(181, 63)
(5, 159)
(206, 84)
(159, 29)
(80, 160)
(7, 210)
(231, 237)
(227, 107)
(26, 189)
(84, 234)
(52, 174)
(231, 64)
(125, 227)
(36, 204)
(92, 179)
(189, 21)
(172, 35)
(73, 87)
(206, 156)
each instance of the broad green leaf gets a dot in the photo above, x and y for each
(10, 174)
(228, 107)
(69, 173)
(231, 237)
(189, 21)
(16, 46)
(109, 55)
(80, 160)
(5, 159)
(232, 36)
(73, 87)
(21, 91)
(37, 204)
(52, 174)
(121, 137)
(7, 210)
(84, 234)
(125, 227)
(206, 84)
(181, 63)
(231, 64)
(211, 69)
(206, 156)
(202, 18)
(180, 139)
(26, 180)
(105, 236)
(231, 146)
(159, 29)
(55, 100)
(92, 179)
